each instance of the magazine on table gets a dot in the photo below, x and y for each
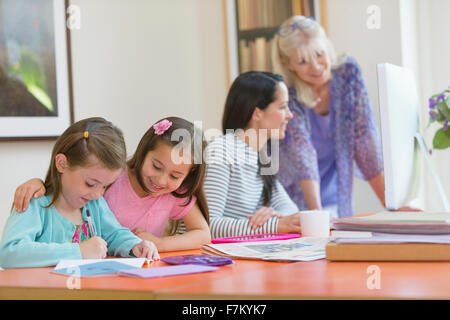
(299, 249)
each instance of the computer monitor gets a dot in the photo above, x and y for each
(399, 117)
(404, 147)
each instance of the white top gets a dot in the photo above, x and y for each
(234, 187)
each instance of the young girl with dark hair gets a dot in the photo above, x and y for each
(243, 193)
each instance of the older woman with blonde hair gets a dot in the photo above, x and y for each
(333, 124)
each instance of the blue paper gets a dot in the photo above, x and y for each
(95, 269)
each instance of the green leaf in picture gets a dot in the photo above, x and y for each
(41, 95)
(441, 139)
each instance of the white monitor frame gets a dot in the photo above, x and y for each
(403, 145)
(399, 118)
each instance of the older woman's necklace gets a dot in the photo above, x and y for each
(322, 101)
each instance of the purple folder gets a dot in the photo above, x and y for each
(166, 271)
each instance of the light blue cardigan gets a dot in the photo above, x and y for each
(41, 237)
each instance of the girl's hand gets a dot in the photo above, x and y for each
(289, 224)
(146, 249)
(261, 216)
(33, 188)
(94, 248)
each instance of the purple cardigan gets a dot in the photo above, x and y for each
(353, 129)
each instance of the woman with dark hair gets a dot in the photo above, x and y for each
(244, 196)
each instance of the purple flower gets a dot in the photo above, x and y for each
(433, 115)
(445, 125)
(441, 97)
(432, 103)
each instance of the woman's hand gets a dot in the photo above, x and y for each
(261, 216)
(33, 188)
(289, 224)
(146, 249)
(407, 208)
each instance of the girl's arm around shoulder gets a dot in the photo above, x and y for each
(33, 188)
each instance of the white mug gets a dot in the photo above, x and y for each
(315, 223)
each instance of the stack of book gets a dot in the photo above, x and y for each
(255, 54)
(268, 13)
(391, 236)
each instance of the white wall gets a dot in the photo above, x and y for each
(433, 54)
(134, 62)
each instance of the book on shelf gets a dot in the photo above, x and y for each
(255, 54)
(391, 236)
(254, 14)
(258, 21)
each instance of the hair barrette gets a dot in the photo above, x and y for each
(162, 126)
(86, 134)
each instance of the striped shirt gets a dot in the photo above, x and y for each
(234, 188)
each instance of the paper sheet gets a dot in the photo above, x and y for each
(134, 262)
(101, 268)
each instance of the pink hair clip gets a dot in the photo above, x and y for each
(162, 126)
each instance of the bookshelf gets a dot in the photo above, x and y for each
(250, 26)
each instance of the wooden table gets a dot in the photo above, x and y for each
(246, 280)
(326, 280)
(41, 283)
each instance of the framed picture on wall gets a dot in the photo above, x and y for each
(35, 74)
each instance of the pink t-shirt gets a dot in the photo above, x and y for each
(149, 213)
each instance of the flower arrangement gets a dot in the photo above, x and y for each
(439, 105)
